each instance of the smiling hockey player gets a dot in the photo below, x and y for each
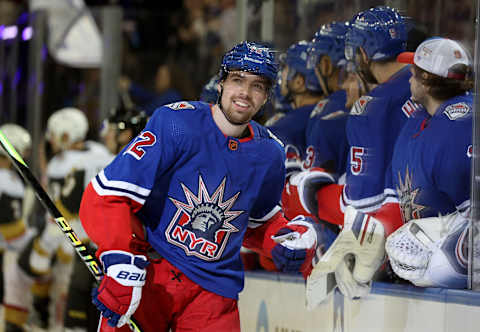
(200, 181)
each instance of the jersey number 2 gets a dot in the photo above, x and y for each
(145, 139)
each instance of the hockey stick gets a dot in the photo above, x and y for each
(89, 260)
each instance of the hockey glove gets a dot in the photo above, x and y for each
(120, 290)
(293, 161)
(355, 256)
(431, 252)
(297, 244)
(298, 197)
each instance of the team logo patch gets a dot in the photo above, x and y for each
(409, 108)
(202, 225)
(456, 111)
(181, 105)
(319, 108)
(360, 105)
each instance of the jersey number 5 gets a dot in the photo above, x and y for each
(145, 139)
(356, 161)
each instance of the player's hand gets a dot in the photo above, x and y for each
(296, 247)
(298, 196)
(354, 257)
(120, 290)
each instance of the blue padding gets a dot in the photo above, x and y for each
(459, 296)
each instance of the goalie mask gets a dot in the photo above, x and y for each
(18, 137)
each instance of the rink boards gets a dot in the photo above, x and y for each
(274, 302)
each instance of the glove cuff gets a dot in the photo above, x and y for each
(125, 268)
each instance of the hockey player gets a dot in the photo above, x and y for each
(68, 173)
(325, 135)
(80, 314)
(200, 180)
(299, 85)
(375, 38)
(431, 168)
(121, 127)
(14, 230)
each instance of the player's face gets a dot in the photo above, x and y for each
(353, 87)
(243, 96)
(284, 85)
(417, 89)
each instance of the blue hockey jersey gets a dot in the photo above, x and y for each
(372, 128)
(198, 190)
(326, 139)
(291, 128)
(432, 160)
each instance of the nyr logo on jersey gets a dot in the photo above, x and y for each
(456, 111)
(202, 225)
(182, 105)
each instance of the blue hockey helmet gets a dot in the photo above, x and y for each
(251, 57)
(329, 40)
(380, 31)
(296, 60)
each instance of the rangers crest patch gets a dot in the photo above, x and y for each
(456, 111)
(202, 225)
(181, 105)
(360, 105)
(319, 108)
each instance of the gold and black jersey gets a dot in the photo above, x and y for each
(70, 172)
(11, 202)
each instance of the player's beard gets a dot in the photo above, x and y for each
(236, 118)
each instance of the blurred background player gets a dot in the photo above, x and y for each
(325, 135)
(431, 168)
(187, 191)
(118, 130)
(74, 163)
(300, 86)
(374, 39)
(14, 229)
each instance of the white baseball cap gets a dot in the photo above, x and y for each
(438, 56)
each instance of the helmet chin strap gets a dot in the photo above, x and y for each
(366, 74)
(323, 82)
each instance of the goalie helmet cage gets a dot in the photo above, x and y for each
(474, 235)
